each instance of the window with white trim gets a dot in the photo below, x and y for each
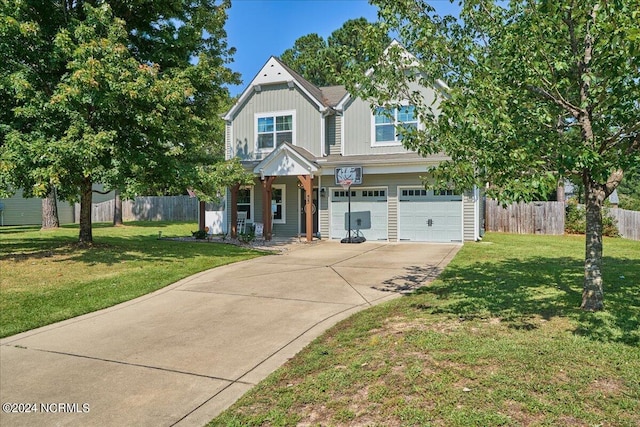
(244, 200)
(273, 129)
(387, 120)
(278, 203)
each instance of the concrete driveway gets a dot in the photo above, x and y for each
(183, 354)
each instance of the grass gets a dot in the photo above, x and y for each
(46, 277)
(497, 340)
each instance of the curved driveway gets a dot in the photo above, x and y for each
(181, 355)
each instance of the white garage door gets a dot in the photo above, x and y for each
(428, 216)
(368, 212)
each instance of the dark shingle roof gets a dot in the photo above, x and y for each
(338, 159)
(333, 94)
(310, 87)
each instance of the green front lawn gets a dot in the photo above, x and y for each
(497, 340)
(47, 277)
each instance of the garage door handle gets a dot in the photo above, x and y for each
(429, 222)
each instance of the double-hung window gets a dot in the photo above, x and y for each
(274, 129)
(389, 120)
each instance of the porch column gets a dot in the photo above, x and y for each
(201, 215)
(234, 210)
(307, 184)
(267, 183)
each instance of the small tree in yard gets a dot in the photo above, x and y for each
(537, 91)
(115, 92)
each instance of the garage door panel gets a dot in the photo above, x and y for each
(374, 203)
(430, 221)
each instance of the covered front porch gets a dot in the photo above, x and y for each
(284, 199)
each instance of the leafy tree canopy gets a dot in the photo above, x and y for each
(118, 92)
(535, 91)
(323, 62)
(629, 189)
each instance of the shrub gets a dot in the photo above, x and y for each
(576, 220)
(200, 234)
(249, 235)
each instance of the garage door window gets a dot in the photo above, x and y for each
(420, 192)
(414, 192)
(342, 193)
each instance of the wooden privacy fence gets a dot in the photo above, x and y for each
(148, 208)
(525, 218)
(628, 222)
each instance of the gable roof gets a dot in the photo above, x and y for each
(333, 94)
(275, 71)
(287, 160)
(408, 59)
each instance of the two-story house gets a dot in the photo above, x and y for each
(299, 139)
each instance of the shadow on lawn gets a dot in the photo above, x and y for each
(413, 279)
(518, 291)
(115, 250)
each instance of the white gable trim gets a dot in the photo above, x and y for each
(285, 161)
(271, 73)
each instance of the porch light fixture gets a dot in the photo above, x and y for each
(262, 174)
(323, 192)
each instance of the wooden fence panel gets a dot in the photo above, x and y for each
(628, 222)
(525, 218)
(149, 208)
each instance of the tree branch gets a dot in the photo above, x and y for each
(613, 181)
(101, 192)
(575, 111)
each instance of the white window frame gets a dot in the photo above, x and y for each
(282, 187)
(251, 202)
(274, 114)
(395, 123)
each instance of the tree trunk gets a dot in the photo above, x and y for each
(117, 208)
(560, 194)
(86, 234)
(50, 217)
(592, 291)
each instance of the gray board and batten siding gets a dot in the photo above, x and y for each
(357, 123)
(275, 98)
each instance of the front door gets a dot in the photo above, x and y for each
(303, 213)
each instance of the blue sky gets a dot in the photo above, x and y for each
(259, 29)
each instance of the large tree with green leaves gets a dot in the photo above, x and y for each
(323, 62)
(123, 93)
(537, 91)
(629, 190)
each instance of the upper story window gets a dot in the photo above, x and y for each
(274, 129)
(388, 120)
